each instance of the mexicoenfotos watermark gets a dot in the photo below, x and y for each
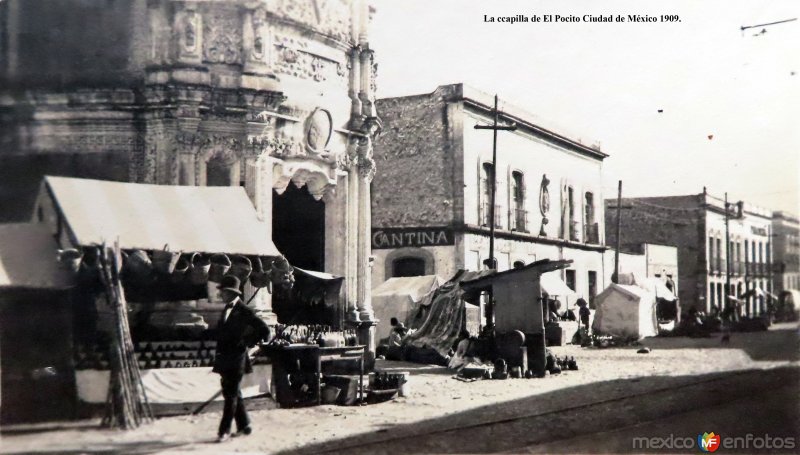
(710, 442)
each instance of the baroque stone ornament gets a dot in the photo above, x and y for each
(318, 130)
(366, 165)
(222, 41)
(544, 202)
(329, 17)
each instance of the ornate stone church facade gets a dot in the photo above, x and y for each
(267, 94)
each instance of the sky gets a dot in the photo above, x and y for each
(605, 82)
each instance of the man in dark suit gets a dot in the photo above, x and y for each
(239, 328)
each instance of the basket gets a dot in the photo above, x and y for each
(259, 277)
(71, 259)
(330, 394)
(164, 261)
(137, 265)
(199, 265)
(240, 267)
(89, 269)
(220, 264)
(181, 269)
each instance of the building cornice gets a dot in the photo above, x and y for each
(526, 237)
(537, 130)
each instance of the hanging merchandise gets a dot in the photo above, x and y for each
(240, 267)
(181, 269)
(259, 277)
(199, 265)
(220, 264)
(164, 261)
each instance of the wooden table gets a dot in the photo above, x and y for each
(314, 361)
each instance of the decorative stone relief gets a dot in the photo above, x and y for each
(544, 203)
(222, 41)
(374, 76)
(188, 34)
(274, 146)
(296, 59)
(309, 173)
(318, 129)
(366, 165)
(329, 17)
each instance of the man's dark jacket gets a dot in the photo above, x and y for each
(242, 329)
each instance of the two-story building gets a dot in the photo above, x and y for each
(786, 262)
(432, 191)
(696, 225)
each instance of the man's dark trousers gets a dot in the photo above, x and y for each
(234, 404)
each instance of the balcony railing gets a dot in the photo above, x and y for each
(715, 265)
(519, 220)
(485, 215)
(592, 233)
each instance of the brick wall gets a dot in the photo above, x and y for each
(665, 221)
(413, 185)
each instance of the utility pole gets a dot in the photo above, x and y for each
(615, 277)
(727, 255)
(495, 128)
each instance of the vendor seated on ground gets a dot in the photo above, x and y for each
(461, 357)
(392, 350)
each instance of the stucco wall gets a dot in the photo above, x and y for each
(534, 158)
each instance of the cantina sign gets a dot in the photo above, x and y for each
(411, 237)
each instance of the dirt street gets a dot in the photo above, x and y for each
(682, 384)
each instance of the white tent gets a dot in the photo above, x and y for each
(553, 285)
(653, 285)
(399, 297)
(625, 311)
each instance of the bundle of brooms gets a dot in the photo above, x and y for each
(126, 406)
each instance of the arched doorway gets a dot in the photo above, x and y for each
(298, 227)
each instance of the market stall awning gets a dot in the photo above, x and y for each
(28, 259)
(553, 285)
(148, 217)
(318, 275)
(413, 287)
(757, 292)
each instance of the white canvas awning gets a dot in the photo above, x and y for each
(148, 217)
(553, 285)
(28, 258)
(653, 285)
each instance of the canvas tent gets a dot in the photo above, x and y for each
(653, 285)
(400, 297)
(554, 286)
(625, 311)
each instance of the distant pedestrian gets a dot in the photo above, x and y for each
(583, 312)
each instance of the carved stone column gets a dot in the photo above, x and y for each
(366, 171)
(354, 90)
(352, 240)
(367, 97)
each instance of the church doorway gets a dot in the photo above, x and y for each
(298, 227)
